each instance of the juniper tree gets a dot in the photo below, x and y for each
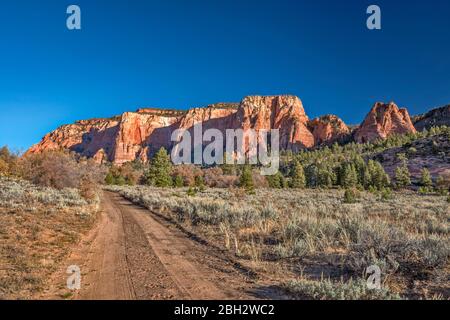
(379, 179)
(178, 181)
(298, 179)
(425, 179)
(109, 179)
(402, 176)
(246, 179)
(160, 169)
(349, 176)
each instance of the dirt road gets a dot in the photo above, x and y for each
(135, 254)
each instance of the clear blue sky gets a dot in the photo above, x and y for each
(178, 54)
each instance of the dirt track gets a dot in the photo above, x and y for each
(136, 254)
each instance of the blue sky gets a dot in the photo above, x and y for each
(179, 54)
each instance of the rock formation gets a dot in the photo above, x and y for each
(382, 121)
(433, 118)
(328, 129)
(138, 135)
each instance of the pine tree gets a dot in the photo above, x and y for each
(246, 179)
(159, 171)
(402, 176)
(349, 176)
(425, 179)
(298, 179)
(379, 178)
(178, 181)
(227, 168)
(120, 181)
(109, 180)
(326, 177)
(199, 183)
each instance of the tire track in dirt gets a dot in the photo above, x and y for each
(135, 254)
(183, 259)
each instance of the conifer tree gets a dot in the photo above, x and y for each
(160, 169)
(298, 179)
(246, 178)
(425, 179)
(402, 176)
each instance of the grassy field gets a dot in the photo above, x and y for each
(316, 246)
(37, 228)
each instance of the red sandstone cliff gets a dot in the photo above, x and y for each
(328, 129)
(137, 135)
(382, 121)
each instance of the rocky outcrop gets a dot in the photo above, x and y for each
(285, 113)
(86, 137)
(433, 118)
(328, 130)
(138, 135)
(382, 121)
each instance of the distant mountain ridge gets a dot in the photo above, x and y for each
(139, 134)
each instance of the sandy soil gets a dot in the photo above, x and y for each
(133, 253)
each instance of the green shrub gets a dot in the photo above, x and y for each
(328, 290)
(425, 179)
(351, 195)
(386, 194)
(402, 176)
(246, 179)
(178, 181)
(298, 179)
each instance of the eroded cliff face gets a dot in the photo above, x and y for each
(433, 118)
(285, 113)
(382, 121)
(138, 135)
(90, 138)
(328, 129)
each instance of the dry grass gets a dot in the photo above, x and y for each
(37, 227)
(286, 232)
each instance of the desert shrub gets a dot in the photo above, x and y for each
(392, 250)
(386, 194)
(187, 173)
(351, 195)
(211, 176)
(296, 249)
(61, 169)
(127, 174)
(328, 290)
(259, 180)
(269, 213)
(8, 162)
(424, 190)
(200, 183)
(16, 193)
(191, 192)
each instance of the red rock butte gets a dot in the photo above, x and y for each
(138, 135)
